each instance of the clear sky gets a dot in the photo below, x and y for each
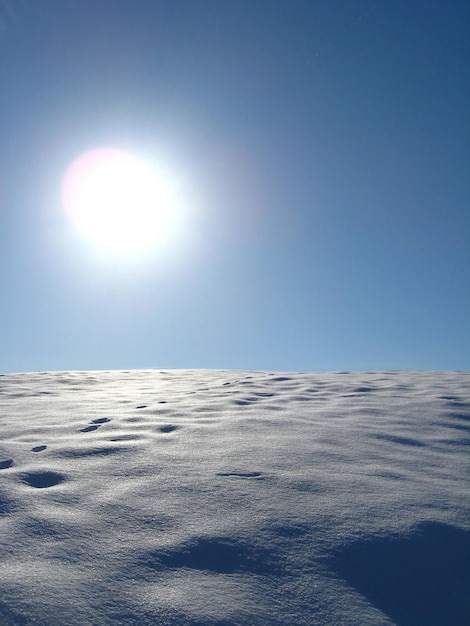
(320, 155)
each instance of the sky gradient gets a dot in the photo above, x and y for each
(321, 150)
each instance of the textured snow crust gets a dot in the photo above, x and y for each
(230, 498)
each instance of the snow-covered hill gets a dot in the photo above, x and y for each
(233, 498)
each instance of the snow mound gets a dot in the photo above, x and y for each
(230, 498)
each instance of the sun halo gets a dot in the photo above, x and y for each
(121, 203)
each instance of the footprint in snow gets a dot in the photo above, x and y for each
(95, 424)
(88, 429)
(241, 474)
(43, 480)
(168, 428)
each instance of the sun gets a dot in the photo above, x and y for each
(119, 201)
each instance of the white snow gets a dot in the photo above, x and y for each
(224, 498)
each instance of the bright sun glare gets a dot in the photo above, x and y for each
(119, 201)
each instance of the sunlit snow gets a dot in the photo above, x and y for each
(226, 498)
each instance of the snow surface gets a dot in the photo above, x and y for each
(204, 498)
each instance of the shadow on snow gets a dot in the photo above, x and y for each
(423, 578)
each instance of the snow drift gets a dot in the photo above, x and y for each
(226, 498)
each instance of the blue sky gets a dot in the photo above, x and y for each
(322, 151)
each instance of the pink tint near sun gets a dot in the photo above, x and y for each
(117, 200)
(80, 172)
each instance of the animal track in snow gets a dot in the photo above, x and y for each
(88, 429)
(241, 474)
(131, 437)
(43, 480)
(168, 428)
(95, 424)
